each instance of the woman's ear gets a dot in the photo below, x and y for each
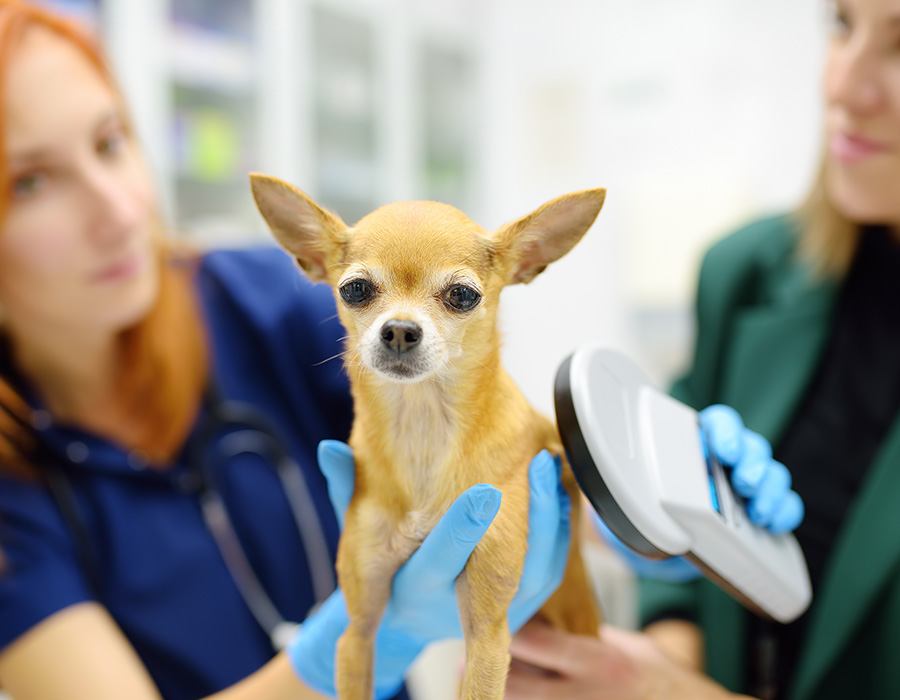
(528, 245)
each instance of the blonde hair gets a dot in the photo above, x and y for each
(828, 239)
(164, 357)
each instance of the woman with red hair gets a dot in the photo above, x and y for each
(134, 376)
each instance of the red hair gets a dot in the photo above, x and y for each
(164, 362)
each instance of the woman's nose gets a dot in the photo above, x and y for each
(117, 203)
(853, 77)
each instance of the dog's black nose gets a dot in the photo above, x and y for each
(401, 336)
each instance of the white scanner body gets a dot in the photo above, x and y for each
(638, 456)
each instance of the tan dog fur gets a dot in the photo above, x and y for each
(420, 441)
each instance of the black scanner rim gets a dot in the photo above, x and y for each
(586, 472)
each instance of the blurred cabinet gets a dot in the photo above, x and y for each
(345, 111)
(357, 102)
(446, 74)
(213, 122)
(85, 11)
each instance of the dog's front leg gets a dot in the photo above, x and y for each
(485, 590)
(372, 547)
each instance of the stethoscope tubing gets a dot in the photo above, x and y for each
(255, 436)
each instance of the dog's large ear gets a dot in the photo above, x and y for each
(311, 234)
(528, 245)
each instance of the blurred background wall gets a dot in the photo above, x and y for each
(696, 115)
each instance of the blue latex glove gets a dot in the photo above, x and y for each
(423, 606)
(674, 569)
(763, 482)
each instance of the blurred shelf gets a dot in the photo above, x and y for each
(222, 231)
(87, 12)
(209, 60)
(353, 105)
(346, 175)
(231, 17)
(187, 180)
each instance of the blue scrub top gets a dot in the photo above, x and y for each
(163, 580)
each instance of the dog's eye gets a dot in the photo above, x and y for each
(357, 292)
(462, 298)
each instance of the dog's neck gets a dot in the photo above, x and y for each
(422, 420)
(427, 424)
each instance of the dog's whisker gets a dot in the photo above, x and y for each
(329, 359)
(375, 396)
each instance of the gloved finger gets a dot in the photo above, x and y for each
(336, 463)
(724, 429)
(557, 568)
(544, 512)
(549, 532)
(445, 551)
(774, 487)
(788, 514)
(523, 607)
(751, 471)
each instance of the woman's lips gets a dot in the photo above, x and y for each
(120, 271)
(852, 148)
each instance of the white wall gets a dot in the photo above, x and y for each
(695, 115)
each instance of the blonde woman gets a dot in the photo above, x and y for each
(799, 330)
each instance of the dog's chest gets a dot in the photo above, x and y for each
(424, 430)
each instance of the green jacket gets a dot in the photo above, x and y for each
(762, 324)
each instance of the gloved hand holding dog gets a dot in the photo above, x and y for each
(423, 606)
(755, 475)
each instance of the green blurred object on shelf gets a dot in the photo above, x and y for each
(210, 148)
(216, 146)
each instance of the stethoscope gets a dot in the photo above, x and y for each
(251, 433)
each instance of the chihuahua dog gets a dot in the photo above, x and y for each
(417, 287)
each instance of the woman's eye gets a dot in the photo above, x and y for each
(838, 20)
(357, 292)
(26, 185)
(462, 298)
(111, 145)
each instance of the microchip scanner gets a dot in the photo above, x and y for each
(639, 458)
